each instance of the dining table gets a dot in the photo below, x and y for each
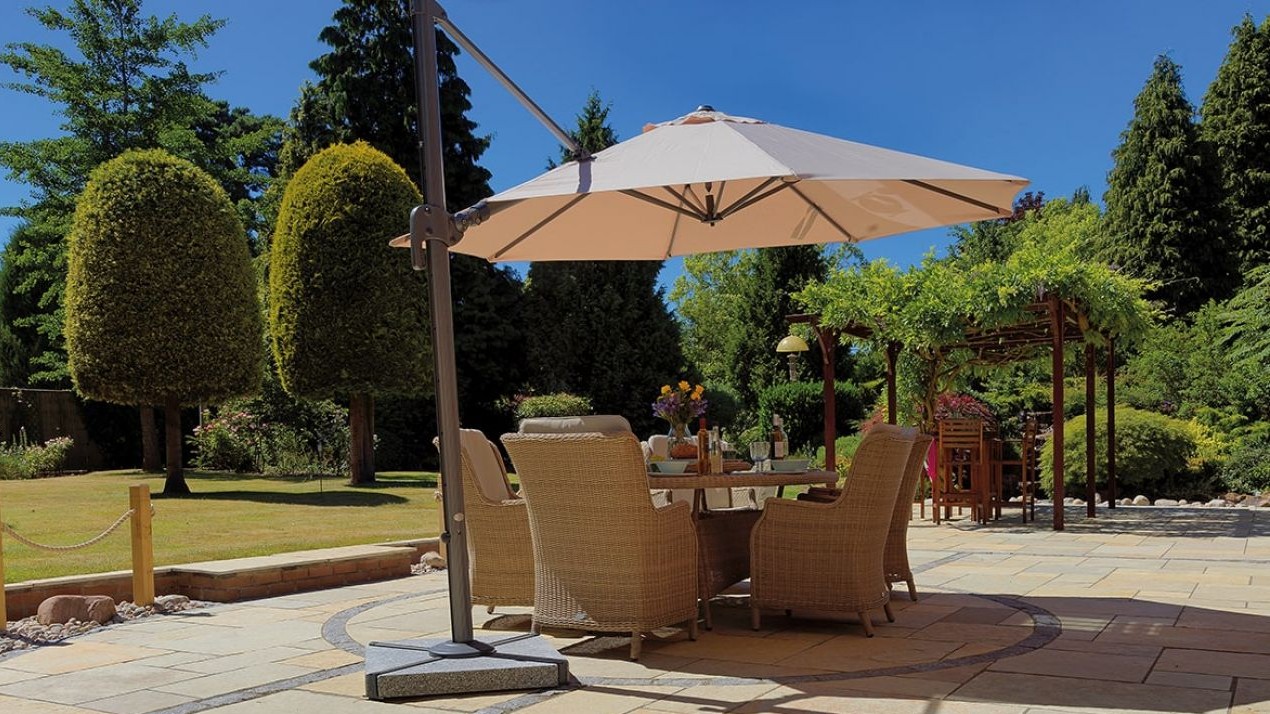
(698, 483)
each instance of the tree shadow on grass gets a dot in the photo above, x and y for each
(310, 498)
(388, 480)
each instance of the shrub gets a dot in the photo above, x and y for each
(1247, 469)
(844, 448)
(801, 406)
(348, 315)
(1154, 453)
(23, 460)
(244, 438)
(160, 293)
(552, 405)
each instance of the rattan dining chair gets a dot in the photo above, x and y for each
(895, 560)
(605, 559)
(500, 553)
(829, 557)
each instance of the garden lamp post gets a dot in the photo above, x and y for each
(790, 346)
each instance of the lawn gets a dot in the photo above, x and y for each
(229, 516)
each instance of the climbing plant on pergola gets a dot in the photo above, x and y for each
(949, 318)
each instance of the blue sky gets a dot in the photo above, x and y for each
(1040, 90)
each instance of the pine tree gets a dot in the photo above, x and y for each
(1165, 220)
(129, 87)
(611, 337)
(1235, 119)
(365, 90)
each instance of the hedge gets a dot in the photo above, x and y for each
(553, 405)
(348, 315)
(801, 405)
(160, 292)
(1152, 453)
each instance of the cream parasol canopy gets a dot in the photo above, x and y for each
(708, 181)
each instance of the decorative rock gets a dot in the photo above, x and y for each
(1141, 500)
(433, 559)
(1217, 502)
(62, 609)
(1103, 504)
(1077, 502)
(1126, 502)
(170, 603)
(1233, 497)
(1183, 502)
(1165, 502)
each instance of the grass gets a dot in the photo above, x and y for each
(228, 516)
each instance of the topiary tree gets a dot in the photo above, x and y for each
(347, 314)
(160, 294)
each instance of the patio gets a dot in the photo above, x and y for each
(1142, 609)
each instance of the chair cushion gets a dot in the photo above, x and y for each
(596, 423)
(484, 458)
(659, 444)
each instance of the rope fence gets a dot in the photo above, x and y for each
(140, 514)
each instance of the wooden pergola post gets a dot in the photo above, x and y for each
(1111, 422)
(828, 352)
(1091, 461)
(1057, 324)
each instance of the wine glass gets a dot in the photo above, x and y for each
(758, 453)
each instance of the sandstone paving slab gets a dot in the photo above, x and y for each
(326, 659)
(1211, 619)
(733, 648)
(1193, 638)
(215, 665)
(74, 655)
(1088, 696)
(9, 676)
(139, 702)
(710, 668)
(230, 641)
(1082, 665)
(962, 632)
(1252, 696)
(708, 698)
(213, 684)
(811, 700)
(602, 700)
(315, 703)
(13, 705)
(1194, 681)
(77, 687)
(1219, 663)
(857, 653)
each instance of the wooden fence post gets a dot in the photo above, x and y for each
(4, 613)
(142, 546)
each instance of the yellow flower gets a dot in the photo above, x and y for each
(665, 389)
(699, 389)
(684, 386)
(696, 396)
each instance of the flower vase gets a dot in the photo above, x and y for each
(682, 444)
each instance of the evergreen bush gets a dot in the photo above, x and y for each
(1154, 454)
(552, 405)
(801, 406)
(1247, 469)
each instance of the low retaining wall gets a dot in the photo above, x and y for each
(238, 579)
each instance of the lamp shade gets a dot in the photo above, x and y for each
(792, 343)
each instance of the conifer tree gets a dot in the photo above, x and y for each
(365, 91)
(610, 336)
(1235, 119)
(1165, 220)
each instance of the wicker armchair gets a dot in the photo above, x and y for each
(895, 560)
(500, 551)
(828, 557)
(605, 558)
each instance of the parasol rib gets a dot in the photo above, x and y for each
(539, 225)
(750, 198)
(816, 207)
(658, 202)
(953, 194)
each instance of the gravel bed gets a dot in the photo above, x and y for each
(28, 633)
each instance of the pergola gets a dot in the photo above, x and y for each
(1050, 322)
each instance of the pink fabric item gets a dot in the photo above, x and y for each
(930, 460)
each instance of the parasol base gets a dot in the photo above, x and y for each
(427, 668)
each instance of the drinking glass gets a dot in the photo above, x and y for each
(758, 453)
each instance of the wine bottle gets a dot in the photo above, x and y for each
(780, 447)
(703, 448)
(716, 451)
